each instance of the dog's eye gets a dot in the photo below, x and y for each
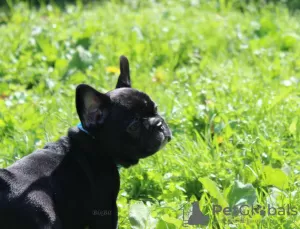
(133, 127)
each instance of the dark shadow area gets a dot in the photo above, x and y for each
(243, 4)
(6, 5)
(239, 4)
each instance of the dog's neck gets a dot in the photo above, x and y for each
(83, 143)
(89, 154)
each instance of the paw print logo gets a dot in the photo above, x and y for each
(197, 217)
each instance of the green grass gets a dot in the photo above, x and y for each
(227, 83)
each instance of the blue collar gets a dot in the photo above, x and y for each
(80, 127)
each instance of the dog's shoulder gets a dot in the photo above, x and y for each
(43, 160)
(31, 168)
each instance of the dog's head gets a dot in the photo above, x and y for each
(124, 120)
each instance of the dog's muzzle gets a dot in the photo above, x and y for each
(158, 124)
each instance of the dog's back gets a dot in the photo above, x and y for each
(49, 189)
(22, 192)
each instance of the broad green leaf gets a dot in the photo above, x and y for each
(47, 47)
(240, 193)
(140, 218)
(275, 177)
(213, 190)
(293, 126)
(165, 225)
(81, 59)
(172, 220)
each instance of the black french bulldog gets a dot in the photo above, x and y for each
(73, 183)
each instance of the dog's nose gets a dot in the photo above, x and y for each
(169, 138)
(155, 121)
(168, 134)
(158, 124)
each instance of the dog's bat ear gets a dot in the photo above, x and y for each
(124, 78)
(91, 106)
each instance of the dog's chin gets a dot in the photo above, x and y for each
(128, 162)
(153, 149)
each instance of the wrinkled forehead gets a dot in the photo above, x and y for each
(133, 100)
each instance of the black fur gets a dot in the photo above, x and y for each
(74, 182)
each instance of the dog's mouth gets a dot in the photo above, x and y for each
(131, 159)
(154, 148)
